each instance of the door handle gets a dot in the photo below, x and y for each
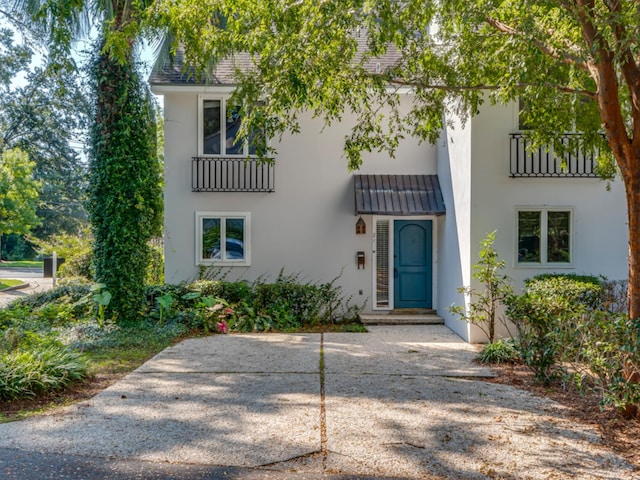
(395, 273)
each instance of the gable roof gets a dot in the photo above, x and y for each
(173, 71)
(398, 195)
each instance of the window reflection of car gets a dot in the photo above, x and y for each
(234, 250)
(212, 143)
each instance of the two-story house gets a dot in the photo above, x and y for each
(403, 232)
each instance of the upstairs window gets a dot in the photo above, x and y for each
(544, 236)
(218, 131)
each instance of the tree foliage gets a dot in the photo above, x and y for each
(452, 54)
(125, 195)
(125, 201)
(45, 115)
(574, 64)
(18, 193)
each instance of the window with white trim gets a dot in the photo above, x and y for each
(544, 236)
(223, 238)
(218, 127)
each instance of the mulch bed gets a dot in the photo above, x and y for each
(17, 409)
(622, 435)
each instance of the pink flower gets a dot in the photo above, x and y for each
(228, 311)
(222, 327)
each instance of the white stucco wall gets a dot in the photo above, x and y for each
(599, 216)
(454, 173)
(307, 226)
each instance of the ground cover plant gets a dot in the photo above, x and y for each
(54, 340)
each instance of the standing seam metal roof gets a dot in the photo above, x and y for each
(398, 195)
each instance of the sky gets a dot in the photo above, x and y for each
(146, 54)
(80, 56)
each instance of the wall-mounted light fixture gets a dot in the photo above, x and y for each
(361, 227)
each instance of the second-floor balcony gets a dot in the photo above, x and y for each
(215, 174)
(545, 162)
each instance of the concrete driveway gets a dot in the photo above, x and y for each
(401, 402)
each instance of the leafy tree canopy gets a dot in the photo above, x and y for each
(44, 114)
(322, 56)
(574, 64)
(18, 193)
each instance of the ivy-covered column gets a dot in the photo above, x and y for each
(125, 196)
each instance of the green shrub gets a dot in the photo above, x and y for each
(603, 353)
(232, 292)
(76, 251)
(284, 304)
(536, 317)
(71, 293)
(77, 266)
(485, 303)
(49, 309)
(615, 295)
(499, 351)
(214, 288)
(547, 305)
(583, 291)
(27, 373)
(155, 269)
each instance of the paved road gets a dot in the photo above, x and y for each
(398, 402)
(18, 272)
(24, 465)
(32, 278)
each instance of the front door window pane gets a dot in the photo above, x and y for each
(234, 239)
(529, 236)
(558, 237)
(211, 234)
(211, 127)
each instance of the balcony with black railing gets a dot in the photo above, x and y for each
(210, 174)
(528, 161)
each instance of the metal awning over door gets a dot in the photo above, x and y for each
(398, 195)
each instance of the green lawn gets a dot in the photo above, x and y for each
(9, 282)
(21, 264)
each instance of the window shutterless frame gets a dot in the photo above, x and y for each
(544, 237)
(218, 140)
(223, 238)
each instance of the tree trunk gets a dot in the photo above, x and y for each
(632, 187)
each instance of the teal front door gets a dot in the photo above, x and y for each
(412, 259)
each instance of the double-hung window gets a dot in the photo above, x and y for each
(219, 124)
(544, 236)
(223, 238)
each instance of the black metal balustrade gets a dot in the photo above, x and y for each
(231, 175)
(542, 162)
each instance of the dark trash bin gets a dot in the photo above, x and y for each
(48, 266)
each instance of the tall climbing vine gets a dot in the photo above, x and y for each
(125, 197)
